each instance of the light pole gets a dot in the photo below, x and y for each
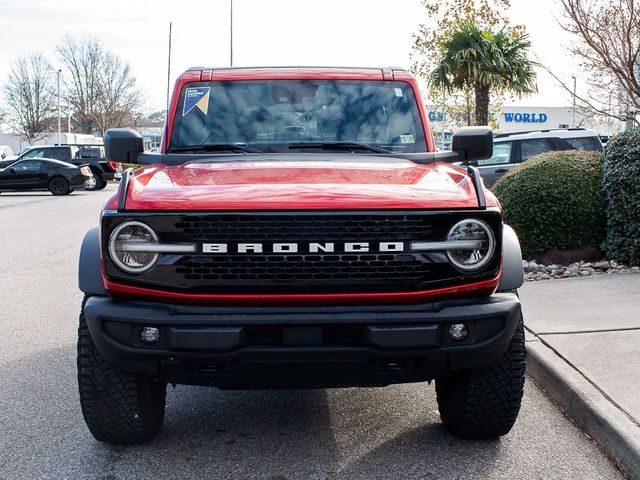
(68, 116)
(59, 130)
(169, 67)
(442, 123)
(574, 100)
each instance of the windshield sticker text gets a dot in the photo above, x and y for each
(196, 97)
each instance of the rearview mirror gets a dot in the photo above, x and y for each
(473, 143)
(123, 145)
(12, 170)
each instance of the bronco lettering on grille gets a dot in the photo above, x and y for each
(328, 247)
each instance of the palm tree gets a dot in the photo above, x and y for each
(484, 61)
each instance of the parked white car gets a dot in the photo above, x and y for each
(6, 153)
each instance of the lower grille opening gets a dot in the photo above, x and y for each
(329, 335)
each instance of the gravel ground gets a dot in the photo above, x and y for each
(391, 432)
(534, 271)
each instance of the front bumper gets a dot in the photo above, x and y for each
(279, 347)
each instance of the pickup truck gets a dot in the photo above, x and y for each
(299, 229)
(101, 169)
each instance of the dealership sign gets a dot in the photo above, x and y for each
(525, 117)
(509, 117)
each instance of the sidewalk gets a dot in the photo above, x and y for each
(583, 348)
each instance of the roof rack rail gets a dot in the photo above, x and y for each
(284, 67)
(503, 135)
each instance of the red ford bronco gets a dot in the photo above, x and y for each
(299, 230)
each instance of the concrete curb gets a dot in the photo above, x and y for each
(616, 433)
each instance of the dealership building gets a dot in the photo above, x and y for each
(521, 119)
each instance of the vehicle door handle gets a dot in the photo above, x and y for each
(501, 170)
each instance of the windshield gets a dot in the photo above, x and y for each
(33, 153)
(283, 115)
(501, 154)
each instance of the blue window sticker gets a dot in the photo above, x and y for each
(196, 97)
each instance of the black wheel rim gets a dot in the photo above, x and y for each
(58, 186)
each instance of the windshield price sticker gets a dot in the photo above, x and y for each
(407, 139)
(196, 97)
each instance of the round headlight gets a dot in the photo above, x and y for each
(122, 247)
(478, 246)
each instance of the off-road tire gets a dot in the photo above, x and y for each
(484, 402)
(59, 186)
(118, 407)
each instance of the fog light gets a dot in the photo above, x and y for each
(149, 335)
(458, 331)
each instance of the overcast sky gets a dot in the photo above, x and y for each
(266, 32)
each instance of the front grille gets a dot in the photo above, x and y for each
(319, 269)
(309, 228)
(301, 272)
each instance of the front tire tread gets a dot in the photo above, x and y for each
(484, 402)
(118, 407)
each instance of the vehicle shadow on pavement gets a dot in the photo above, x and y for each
(209, 433)
(391, 432)
(350, 433)
(16, 194)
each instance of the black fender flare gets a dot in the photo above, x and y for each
(89, 276)
(512, 272)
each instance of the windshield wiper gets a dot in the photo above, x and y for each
(339, 146)
(217, 147)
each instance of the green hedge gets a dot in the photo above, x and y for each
(622, 197)
(555, 200)
(135, 166)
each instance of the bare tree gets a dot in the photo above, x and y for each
(30, 97)
(608, 49)
(154, 119)
(101, 88)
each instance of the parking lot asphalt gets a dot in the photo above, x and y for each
(391, 432)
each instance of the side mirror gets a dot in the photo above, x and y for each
(473, 143)
(123, 145)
